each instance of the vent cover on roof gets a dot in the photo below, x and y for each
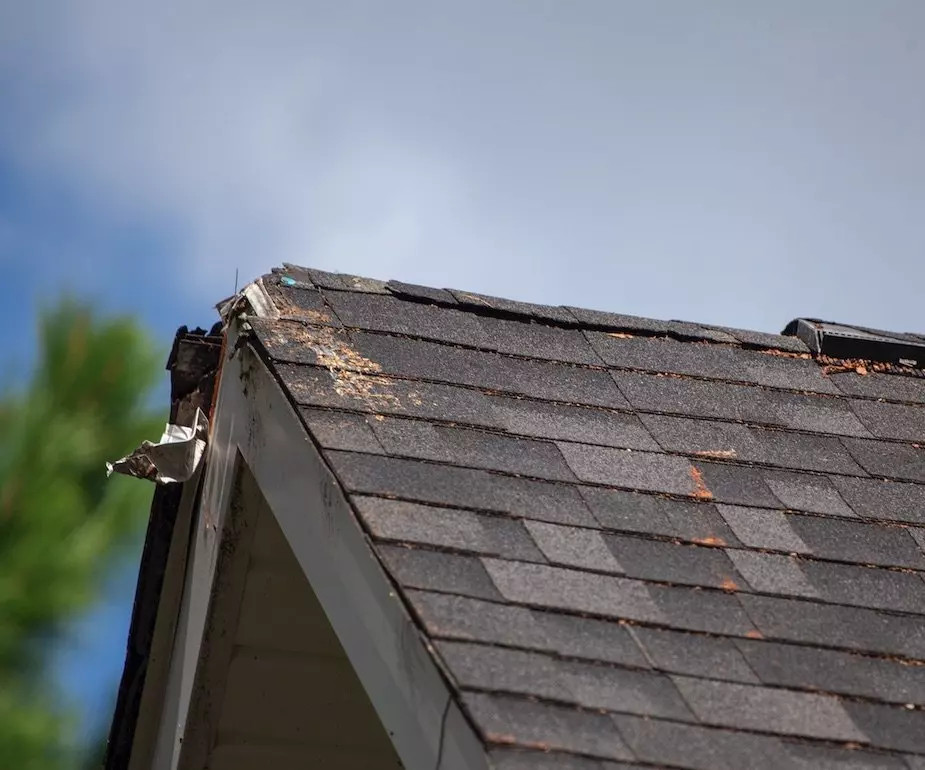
(841, 341)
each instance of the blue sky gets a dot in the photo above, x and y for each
(727, 161)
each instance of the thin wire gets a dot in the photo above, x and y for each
(446, 711)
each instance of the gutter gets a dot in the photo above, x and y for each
(194, 364)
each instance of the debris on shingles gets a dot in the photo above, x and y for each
(719, 454)
(354, 375)
(700, 488)
(729, 585)
(352, 372)
(863, 366)
(474, 298)
(785, 353)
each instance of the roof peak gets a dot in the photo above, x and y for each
(888, 351)
(295, 277)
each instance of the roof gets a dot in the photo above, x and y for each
(628, 542)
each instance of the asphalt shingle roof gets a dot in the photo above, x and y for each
(631, 542)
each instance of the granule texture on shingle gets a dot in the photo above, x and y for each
(510, 720)
(751, 707)
(711, 657)
(791, 665)
(889, 458)
(897, 421)
(624, 511)
(772, 573)
(625, 468)
(573, 547)
(559, 588)
(447, 528)
(760, 528)
(626, 542)
(673, 563)
(525, 417)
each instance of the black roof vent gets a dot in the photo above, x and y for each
(840, 341)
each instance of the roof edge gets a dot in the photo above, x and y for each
(194, 361)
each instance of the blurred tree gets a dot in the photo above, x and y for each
(61, 519)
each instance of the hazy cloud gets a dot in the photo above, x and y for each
(665, 158)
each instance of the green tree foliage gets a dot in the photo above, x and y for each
(61, 519)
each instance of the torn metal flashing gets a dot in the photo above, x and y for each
(173, 459)
(194, 361)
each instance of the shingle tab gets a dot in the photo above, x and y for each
(761, 528)
(748, 403)
(886, 386)
(803, 492)
(571, 423)
(459, 617)
(482, 302)
(314, 386)
(668, 562)
(566, 589)
(699, 748)
(766, 340)
(538, 379)
(791, 665)
(749, 707)
(536, 340)
(883, 499)
(889, 459)
(693, 609)
(341, 430)
(739, 484)
(424, 293)
(892, 420)
(509, 720)
(384, 313)
(890, 727)
(833, 625)
(447, 528)
(471, 448)
(635, 512)
(573, 546)
(749, 444)
(624, 690)
(711, 657)
(486, 667)
(626, 468)
(446, 485)
(857, 541)
(867, 586)
(712, 361)
(773, 573)
(435, 571)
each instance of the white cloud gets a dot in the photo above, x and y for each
(600, 153)
(235, 126)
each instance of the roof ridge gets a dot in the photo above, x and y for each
(559, 316)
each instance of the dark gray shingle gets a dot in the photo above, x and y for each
(750, 707)
(510, 720)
